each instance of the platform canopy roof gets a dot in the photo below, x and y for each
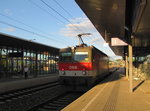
(15, 42)
(124, 19)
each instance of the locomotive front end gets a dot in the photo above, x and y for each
(75, 66)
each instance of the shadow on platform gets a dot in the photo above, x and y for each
(138, 85)
(116, 75)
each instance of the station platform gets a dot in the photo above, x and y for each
(113, 94)
(16, 84)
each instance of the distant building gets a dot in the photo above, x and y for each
(15, 53)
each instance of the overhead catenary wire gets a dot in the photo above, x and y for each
(17, 21)
(41, 8)
(65, 10)
(61, 15)
(27, 25)
(71, 16)
(40, 35)
(35, 4)
(77, 29)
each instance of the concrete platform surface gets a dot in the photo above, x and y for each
(24, 83)
(113, 95)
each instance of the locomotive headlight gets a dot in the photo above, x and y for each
(84, 72)
(63, 72)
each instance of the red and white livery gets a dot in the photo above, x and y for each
(82, 65)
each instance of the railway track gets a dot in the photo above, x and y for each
(57, 103)
(18, 93)
(45, 97)
(25, 99)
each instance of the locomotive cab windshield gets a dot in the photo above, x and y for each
(74, 57)
(65, 56)
(81, 56)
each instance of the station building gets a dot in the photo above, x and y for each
(16, 54)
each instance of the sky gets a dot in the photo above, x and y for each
(51, 22)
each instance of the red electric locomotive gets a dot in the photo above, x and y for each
(82, 65)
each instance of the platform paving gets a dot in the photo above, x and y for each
(15, 84)
(113, 95)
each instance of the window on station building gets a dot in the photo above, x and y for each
(28, 54)
(148, 58)
(13, 60)
(38, 56)
(4, 52)
(141, 59)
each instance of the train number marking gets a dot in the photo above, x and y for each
(72, 67)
